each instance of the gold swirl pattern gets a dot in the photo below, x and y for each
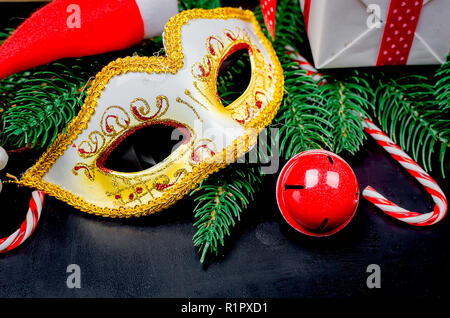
(95, 144)
(141, 109)
(114, 121)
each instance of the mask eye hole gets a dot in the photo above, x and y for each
(234, 76)
(144, 147)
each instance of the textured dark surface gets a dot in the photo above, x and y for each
(154, 256)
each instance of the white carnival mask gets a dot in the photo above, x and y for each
(178, 90)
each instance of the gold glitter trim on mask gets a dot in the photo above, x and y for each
(171, 63)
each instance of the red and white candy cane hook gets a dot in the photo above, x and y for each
(369, 193)
(305, 65)
(28, 225)
(390, 208)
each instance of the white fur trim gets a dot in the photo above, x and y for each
(155, 14)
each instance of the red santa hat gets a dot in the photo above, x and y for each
(74, 28)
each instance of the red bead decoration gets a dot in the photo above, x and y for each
(317, 193)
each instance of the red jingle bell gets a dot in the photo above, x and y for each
(317, 193)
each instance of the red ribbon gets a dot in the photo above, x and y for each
(399, 30)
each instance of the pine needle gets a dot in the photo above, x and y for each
(414, 111)
(221, 199)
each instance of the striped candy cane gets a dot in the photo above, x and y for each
(369, 193)
(28, 225)
(304, 64)
(390, 208)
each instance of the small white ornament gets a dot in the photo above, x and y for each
(3, 158)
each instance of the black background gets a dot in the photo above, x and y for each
(154, 257)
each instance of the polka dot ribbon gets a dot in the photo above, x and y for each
(269, 8)
(398, 35)
(28, 225)
(399, 30)
(369, 193)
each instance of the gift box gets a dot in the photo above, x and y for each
(352, 33)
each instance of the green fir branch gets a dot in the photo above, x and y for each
(346, 101)
(221, 200)
(302, 119)
(315, 115)
(194, 4)
(442, 86)
(407, 110)
(322, 115)
(39, 104)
